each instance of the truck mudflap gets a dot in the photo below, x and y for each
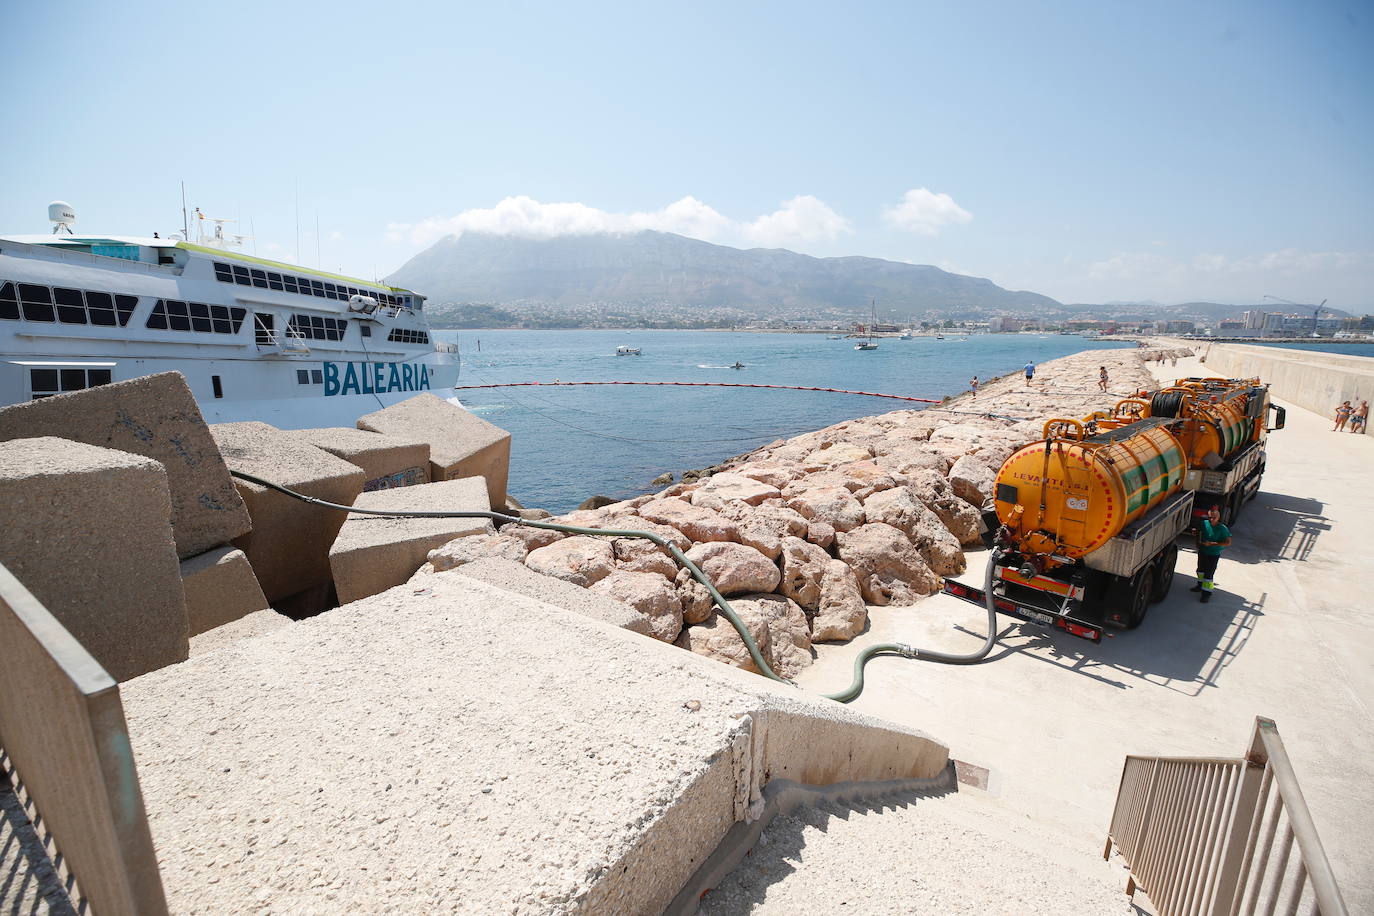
(1040, 616)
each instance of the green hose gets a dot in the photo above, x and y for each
(851, 692)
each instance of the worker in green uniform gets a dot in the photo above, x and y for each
(1212, 538)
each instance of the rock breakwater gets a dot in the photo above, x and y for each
(808, 535)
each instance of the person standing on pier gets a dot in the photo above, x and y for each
(1102, 378)
(1212, 538)
(973, 383)
(1030, 373)
(1359, 420)
(1342, 415)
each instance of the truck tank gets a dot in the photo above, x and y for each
(1068, 495)
(1225, 416)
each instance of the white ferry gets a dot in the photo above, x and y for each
(256, 339)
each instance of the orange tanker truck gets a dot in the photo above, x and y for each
(1086, 520)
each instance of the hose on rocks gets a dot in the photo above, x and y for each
(844, 696)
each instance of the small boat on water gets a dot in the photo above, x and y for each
(835, 337)
(627, 351)
(737, 365)
(868, 343)
(905, 335)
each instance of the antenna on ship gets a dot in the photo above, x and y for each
(62, 216)
(185, 223)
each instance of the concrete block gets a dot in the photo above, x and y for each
(155, 416)
(88, 531)
(256, 624)
(568, 765)
(461, 444)
(220, 587)
(386, 461)
(519, 578)
(373, 553)
(289, 544)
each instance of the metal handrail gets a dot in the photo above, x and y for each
(1198, 834)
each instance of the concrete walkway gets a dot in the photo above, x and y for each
(1286, 636)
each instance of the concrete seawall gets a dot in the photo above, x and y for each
(1315, 380)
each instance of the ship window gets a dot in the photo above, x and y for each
(125, 305)
(317, 376)
(215, 384)
(220, 314)
(241, 276)
(405, 335)
(101, 309)
(236, 316)
(331, 291)
(274, 280)
(259, 278)
(9, 302)
(289, 282)
(366, 329)
(177, 317)
(317, 287)
(44, 383)
(222, 273)
(302, 376)
(157, 321)
(71, 306)
(200, 317)
(37, 302)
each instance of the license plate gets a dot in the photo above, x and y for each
(1045, 620)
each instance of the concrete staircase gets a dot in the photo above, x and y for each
(911, 853)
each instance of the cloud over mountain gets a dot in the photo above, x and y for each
(924, 212)
(802, 218)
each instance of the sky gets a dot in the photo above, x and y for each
(1092, 152)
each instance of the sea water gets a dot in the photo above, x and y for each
(569, 443)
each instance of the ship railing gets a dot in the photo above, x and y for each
(1222, 836)
(289, 341)
(64, 752)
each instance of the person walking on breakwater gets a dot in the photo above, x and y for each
(1212, 538)
(1102, 377)
(1359, 420)
(973, 383)
(1342, 415)
(1030, 373)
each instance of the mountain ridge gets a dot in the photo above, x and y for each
(660, 268)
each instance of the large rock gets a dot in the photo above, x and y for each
(373, 553)
(720, 489)
(717, 639)
(639, 555)
(908, 457)
(386, 461)
(695, 522)
(962, 520)
(775, 474)
(803, 567)
(581, 559)
(789, 637)
(890, 570)
(972, 480)
(289, 544)
(533, 538)
(463, 550)
(842, 613)
(88, 531)
(697, 603)
(651, 595)
(735, 569)
(155, 416)
(835, 506)
(822, 534)
(900, 508)
(838, 453)
(461, 444)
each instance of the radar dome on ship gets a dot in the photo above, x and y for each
(61, 214)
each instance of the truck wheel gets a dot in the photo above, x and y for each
(1140, 589)
(1236, 503)
(1164, 574)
